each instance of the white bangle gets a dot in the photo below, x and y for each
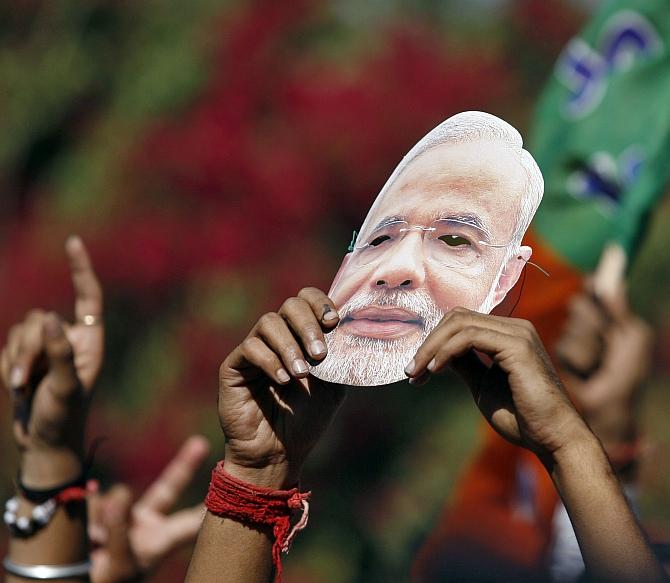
(46, 572)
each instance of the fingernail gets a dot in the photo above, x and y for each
(71, 242)
(52, 328)
(16, 377)
(431, 365)
(317, 348)
(329, 314)
(283, 376)
(409, 369)
(299, 366)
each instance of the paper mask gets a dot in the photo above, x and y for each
(444, 231)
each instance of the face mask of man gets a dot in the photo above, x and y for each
(445, 231)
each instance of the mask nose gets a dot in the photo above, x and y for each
(403, 267)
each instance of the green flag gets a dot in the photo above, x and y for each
(602, 131)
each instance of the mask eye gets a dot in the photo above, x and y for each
(455, 241)
(378, 240)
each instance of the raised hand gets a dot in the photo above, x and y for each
(132, 539)
(272, 411)
(50, 368)
(519, 393)
(521, 397)
(608, 395)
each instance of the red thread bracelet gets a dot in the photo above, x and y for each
(76, 493)
(251, 504)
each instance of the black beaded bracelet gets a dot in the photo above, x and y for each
(41, 496)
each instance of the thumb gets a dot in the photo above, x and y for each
(116, 518)
(61, 358)
(609, 283)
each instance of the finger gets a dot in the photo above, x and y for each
(18, 392)
(4, 369)
(323, 307)
(420, 380)
(458, 352)
(255, 353)
(88, 292)
(608, 279)
(587, 314)
(116, 518)
(455, 320)
(580, 346)
(95, 504)
(272, 329)
(27, 346)
(61, 359)
(163, 494)
(16, 377)
(183, 526)
(471, 369)
(300, 317)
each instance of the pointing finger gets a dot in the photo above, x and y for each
(88, 292)
(29, 348)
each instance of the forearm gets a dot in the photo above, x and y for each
(231, 551)
(611, 541)
(63, 541)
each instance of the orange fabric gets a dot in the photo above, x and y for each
(482, 520)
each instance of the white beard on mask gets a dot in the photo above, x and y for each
(362, 361)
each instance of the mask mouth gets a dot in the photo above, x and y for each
(385, 314)
(384, 322)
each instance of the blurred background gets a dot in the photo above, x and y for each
(215, 156)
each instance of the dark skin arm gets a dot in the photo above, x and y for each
(49, 368)
(272, 413)
(522, 398)
(272, 423)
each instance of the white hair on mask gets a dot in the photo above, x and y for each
(360, 360)
(471, 126)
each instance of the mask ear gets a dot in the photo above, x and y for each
(510, 273)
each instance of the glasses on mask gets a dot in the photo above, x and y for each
(449, 242)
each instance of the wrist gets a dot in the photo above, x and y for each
(48, 468)
(268, 476)
(584, 454)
